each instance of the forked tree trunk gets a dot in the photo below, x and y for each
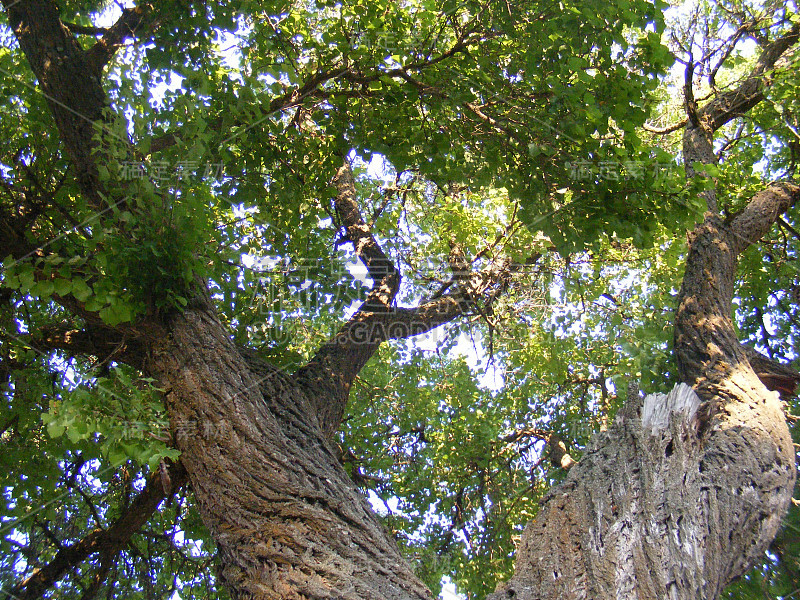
(679, 497)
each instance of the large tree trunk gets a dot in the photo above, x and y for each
(686, 491)
(288, 521)
(658, 509)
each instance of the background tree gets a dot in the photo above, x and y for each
(208, 297)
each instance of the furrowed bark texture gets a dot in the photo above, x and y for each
(288, 521)
(685, 492)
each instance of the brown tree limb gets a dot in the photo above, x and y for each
(704, 121)
(64, 71)
(668, 129)
(774, 375)
(736, 102)
(129, 25)
(334, 366)
(104, 343)
(380, 267)
(397, 323)
(752, 223)
(108, 542)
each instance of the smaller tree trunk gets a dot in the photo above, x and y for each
(653, 511)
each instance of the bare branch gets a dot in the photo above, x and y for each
(730, 45)
(668, 129)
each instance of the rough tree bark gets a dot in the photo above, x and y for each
(685, 491)
(680, 496)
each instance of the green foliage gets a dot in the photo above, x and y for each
(434, 438)
(123, 415)
(512, 132)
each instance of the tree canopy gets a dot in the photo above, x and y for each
(510, 180)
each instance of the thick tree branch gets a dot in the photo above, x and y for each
(668, 129)
(380, 267)
(373, 328)
(66, 76)
(105, 343)
(698, 139)
(108, 541)
(129, 24)
(752, 223)
(738, 101)
(336, 364)
(774, 375)
(706, 344)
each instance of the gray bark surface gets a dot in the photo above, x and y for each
(683, 494)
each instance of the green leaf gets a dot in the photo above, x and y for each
(81, 291)
(62, 287)
(55, 429)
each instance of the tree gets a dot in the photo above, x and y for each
(154, 369)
